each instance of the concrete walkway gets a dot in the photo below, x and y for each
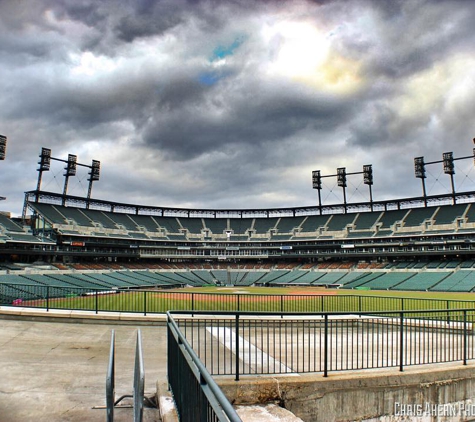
(55, 370)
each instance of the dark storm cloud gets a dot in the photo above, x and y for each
(251, 117)
(410, 36)
(184, 96)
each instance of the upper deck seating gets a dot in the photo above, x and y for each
(169, 223)
(340, 221)
(217, 225)
(470, 215)
(99, 217)
(123, 220)
(76, 215)
(145, 221)
(194, 225)
(417, 216)
(448, 213)
(314, 222)
(366, 220)
(51, 213)
(263, 225)
(240, 225)
(287, 224)
(389, 218)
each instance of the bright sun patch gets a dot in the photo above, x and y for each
(301, 52)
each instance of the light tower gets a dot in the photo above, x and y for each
(3, 150)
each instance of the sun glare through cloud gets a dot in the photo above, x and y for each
(303, 53)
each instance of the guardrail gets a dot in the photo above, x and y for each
(243, 343)
(110, 381)
(138, 386)
(197, 396)
(159, 301)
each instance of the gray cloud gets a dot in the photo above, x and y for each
(185, 104)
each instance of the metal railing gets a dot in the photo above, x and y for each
(110, 381)
(138, 395)
(245, 343)
(159, 301)
(196, 395)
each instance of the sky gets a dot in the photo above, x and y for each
(233, 104)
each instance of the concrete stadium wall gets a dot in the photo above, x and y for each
(433, 393)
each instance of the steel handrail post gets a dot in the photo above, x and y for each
(325, 347)
(236, 329)
(465, 339)
(145, 302)
(401, 342)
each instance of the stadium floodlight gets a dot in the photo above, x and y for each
(368, 180)
(316, 179)
(368, 174)
(71, 165)
(45, 159)
(94, 175)
(341, 175)
(341, 180)
(45, 164)
(420, 172)
(419, 168)
(70, 171)
(3, 146)
(448, 160)
(95, 171)
(317, 184)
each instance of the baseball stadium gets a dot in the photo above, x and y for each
(346, 311)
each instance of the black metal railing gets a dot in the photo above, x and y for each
(138, 395)
(245, 343)
(160, 301)
(197, 396)
(110, 381)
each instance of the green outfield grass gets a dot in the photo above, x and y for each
(262, 299)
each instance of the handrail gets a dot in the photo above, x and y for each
(217, 400)
(243, 346)
(110, 381)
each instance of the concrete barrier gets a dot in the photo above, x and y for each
(433, 393)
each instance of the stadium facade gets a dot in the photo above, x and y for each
(74, 229)
(60, 228)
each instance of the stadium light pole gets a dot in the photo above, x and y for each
(420, 172)
(449, 168)
(45, 164)
(317, 184)
(70, 171)
(94, 175)
(3, 150)
(368, 180)
(448, 160)
(341, 180)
